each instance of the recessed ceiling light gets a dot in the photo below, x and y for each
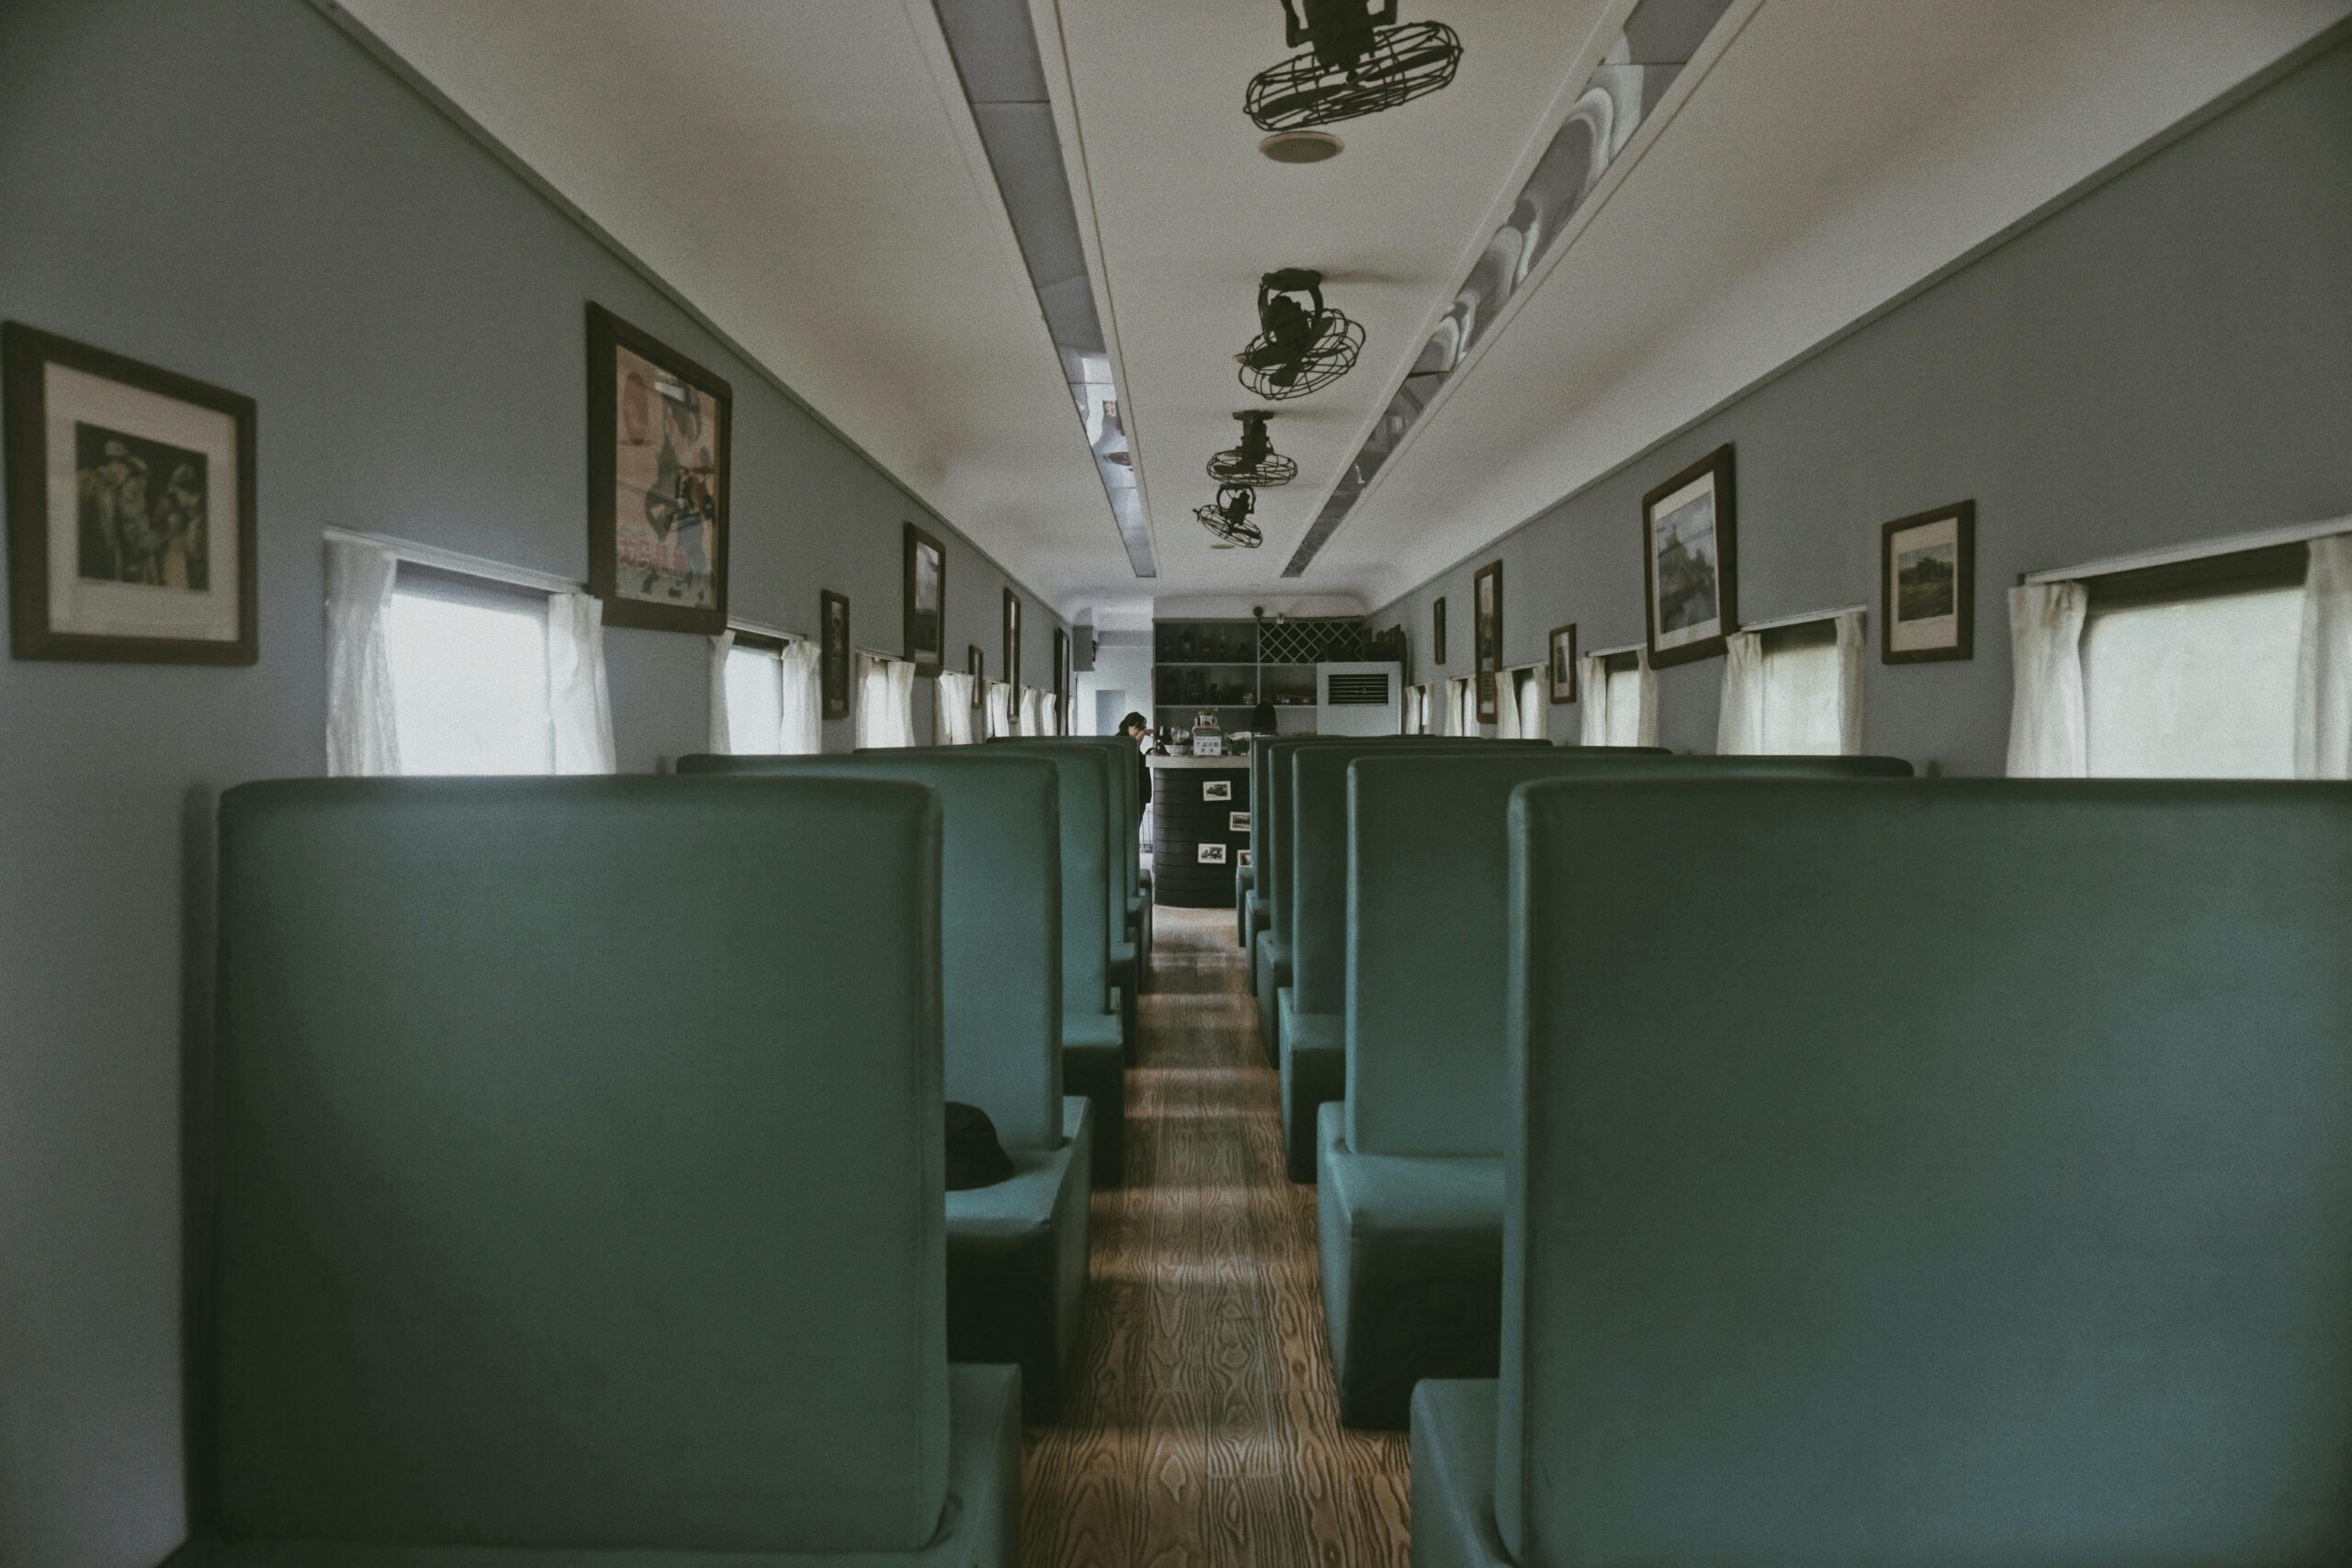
(1300, 146)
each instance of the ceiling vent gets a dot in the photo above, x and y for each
(1358, 60)
(1303, 345)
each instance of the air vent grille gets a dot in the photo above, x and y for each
(1369, 687)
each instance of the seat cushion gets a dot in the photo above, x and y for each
(1453, 1474)
(1315, 1071)
(1017, 1266)
(1272, 973)
(1412, 1254)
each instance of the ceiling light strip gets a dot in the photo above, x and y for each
(1660, 38)
(1003, 74)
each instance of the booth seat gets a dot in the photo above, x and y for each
(1244, 882)
(1311, 1013)
(516, 1079)
(1016, 1252)
(1950, 1173)
(1094, 1032)
(1124, 802)
(1428, 934)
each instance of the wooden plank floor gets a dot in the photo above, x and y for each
(1203, 1427)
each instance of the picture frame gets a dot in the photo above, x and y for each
(1437, 632)
(976, 665)
(1560, 663)
(1013, 643)
(833, 651)
(1486, 634)
(1062, 678)
(660, 442)
(1689, 562)
(924, 572)
(1927, 586)
(148, 555)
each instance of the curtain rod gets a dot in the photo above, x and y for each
(1797, 620)
(1613, 652)
(459, 562)
(735, 624)
(2230, 545)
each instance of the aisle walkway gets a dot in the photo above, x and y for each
(1203, 1427)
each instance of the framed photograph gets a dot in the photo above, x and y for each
(1689, 562)
(1927, 576)
(926, 602)
(1210, 854)
(1062, 678)
(1437, 632)
(976, 664)
(1013, 643)
(657, 433)
(131, 508)
(1216, 789)
(1241, 857)
(833, 650)
(1562, 665)
(1486, 634)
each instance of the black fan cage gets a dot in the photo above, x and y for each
(1227, 469)
(1244, 533)
(1405, 62)
(1276, 377)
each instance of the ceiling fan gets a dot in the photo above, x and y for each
(1255, 461)
(1359, 62)
(1228, 518)
(1302, 344)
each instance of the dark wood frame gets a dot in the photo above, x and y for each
(1486, 673)
(607, 334)
(975, 662)
(24, 351)
(1437, 634)
(1963, 586)
(1012, 644)
(1061, 677)
(917, 540)
(836, 703)
(1552, 663)
(1719, 463)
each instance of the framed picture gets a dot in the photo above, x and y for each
(658, 434)
(1928, 575)
(926, 602)
(1062, 678)
(1210, 854)
(1013, 643)
(1437, 632)
(1562, 664)
(131, 508)
(976, 664)
(832, 649)
(1689, 562)
(1486, 634)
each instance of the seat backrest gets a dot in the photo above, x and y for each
(1090, 919)
(1427, 928)
(1956, 1172)
(1122, 807)
(1316, 809)
(575, 1189)
(1000, 919)
(1273, 806)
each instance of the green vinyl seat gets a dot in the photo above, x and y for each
(1957, 1173)
(1424, 1038)
(1096, 1037)
(1123, 802)
(1011, 1297)
(1311, 1013)
(576, 1198)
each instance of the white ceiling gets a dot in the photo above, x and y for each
(806, 174)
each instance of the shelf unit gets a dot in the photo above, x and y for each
(1229, 665)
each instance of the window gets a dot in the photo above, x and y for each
(2190, 674)
(1803, 687)
(1534, 703)
(886, 710)
(1623, 688)
(469, 676)
(754, 680)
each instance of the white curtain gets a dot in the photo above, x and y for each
(1051, 707)
(722, 739)
(953, 707)
(1506, 720)
(1592, 701)
(800, 723)
(999, 710)
(2323, 664)
(363, 733)
(579, 704)
(2048, 738)
(1851, 657)
(886, 702)
(1739, 727)
(1031, 723)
